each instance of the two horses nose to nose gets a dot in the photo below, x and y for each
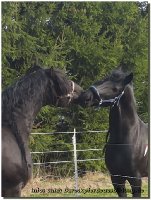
(128, 135)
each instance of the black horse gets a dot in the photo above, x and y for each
(126, 151)
(20, 104)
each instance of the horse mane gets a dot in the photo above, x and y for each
(60, 81)
(130, 94)
(14, 97)
(31, 85)
(22, 91)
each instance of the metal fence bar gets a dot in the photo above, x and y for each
(86, 171)
(51, 133)
(105, 131)
(90, 159)
(45, 152)
(66, 161)
(125, 176)
(112, 183)
(90, 150)
(70, 132)
(42, 152)
(54, 162)
(75, 155)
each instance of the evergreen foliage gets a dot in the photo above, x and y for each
(88, 40)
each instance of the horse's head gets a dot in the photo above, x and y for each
(107, 90)
(62, 89)
(58, 89)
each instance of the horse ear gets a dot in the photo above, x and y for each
(128, 79)
(33, 69)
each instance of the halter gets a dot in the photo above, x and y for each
(69, 95)
(114, 101)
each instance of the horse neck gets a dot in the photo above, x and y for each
(128, 103)
(124, 116)
(29, 101)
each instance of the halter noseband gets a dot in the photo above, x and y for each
(95, 92)
(114, 101)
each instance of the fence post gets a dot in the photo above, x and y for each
(75, 161)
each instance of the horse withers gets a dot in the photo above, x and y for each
(126, 151)
(21, 102)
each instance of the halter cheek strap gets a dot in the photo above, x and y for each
(70, 95)
(117, 99)
(114, 101)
